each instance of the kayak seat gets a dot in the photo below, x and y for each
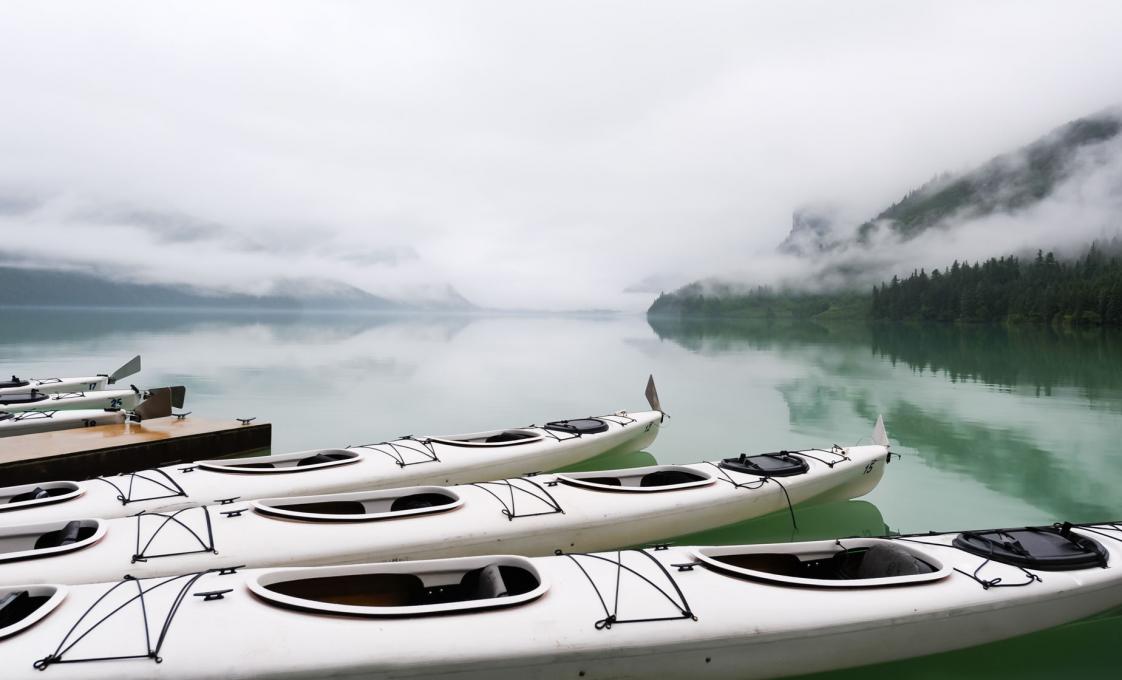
(417, 501)
(322, 458)
(17, 605)
(668, 478)
(496, 581)
(882, 561)
(38, 493)
(71, 533)
(14, 382)
(483, 583)
(508, 437)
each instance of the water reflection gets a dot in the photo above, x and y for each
(1037, 357)
(998, 427)
(1029, 414)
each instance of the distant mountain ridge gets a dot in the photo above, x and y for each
(1007, 183)
(28, 287)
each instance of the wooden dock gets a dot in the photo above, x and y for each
(112, 449)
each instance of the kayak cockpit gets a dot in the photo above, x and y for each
(491, 438)
(854, 563)
(29, 495)
(52, 538)
(780, 464)
(21, 398)
(301, 461)
(404, 588)
(13, 383)
(642, 479)
(23, 606)
(362, 506)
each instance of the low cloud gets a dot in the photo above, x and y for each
(556, 155)
(1085, 206)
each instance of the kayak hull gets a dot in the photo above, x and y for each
(704, 623)
(32, 422)
(56, 385)
(528, 516)
(126, 400)
(403, 462)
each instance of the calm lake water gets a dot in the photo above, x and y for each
(995, 427)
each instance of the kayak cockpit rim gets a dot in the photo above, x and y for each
(491, 438)
(848, 563)
(362, 506)
(30, 541)
(651, 478)
(23, 606)
(402, 589)
(301, 461)
(19, 398)
(32, 495)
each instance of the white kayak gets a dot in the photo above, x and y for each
(31, 422)
(133, 407)
(477, 456)
(71, 401)
(87, 383)
(752, 611)
(576, 511)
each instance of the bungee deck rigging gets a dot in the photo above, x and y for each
(717, 611)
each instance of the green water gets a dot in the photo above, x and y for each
(995, 427)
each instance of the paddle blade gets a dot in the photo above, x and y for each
(652, 395)
(133, 366)
(880, 435)
(178, 395)
(157, 405)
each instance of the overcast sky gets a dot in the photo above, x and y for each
(530, 154)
